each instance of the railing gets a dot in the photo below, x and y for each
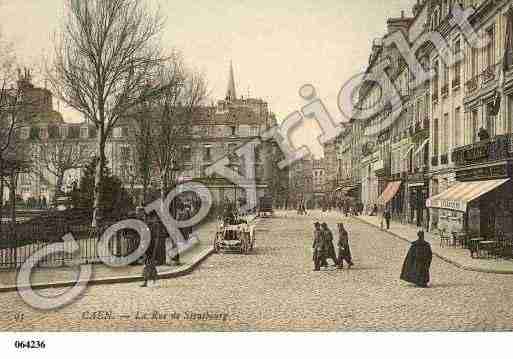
(494, 149)
(472, 84)
(37, 234)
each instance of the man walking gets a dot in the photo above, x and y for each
(344, 251)
(318, 247)
(387, 216)
(327, 236)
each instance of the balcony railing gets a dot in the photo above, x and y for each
(495, 149)
(471, 85)
(488, 74)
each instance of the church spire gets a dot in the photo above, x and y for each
(230, 92)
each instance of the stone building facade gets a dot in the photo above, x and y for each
(408, 158)
(217, 130)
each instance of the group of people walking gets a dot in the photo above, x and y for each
(415, 268)
(324, 249)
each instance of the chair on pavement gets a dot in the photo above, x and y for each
(445, 239)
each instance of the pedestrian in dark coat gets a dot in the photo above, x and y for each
(344, 251)
(319, 252)
(328, 239)
(417, 262)
(149, 271)
(387, 216)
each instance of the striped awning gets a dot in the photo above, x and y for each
(458, 196)
(389, 192)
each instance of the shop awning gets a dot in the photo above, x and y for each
(458, 196)
(389, 192)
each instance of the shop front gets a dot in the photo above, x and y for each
(479, 207)
(390, 198)
(417, 194)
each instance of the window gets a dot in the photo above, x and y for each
(187, 154)
(475, 61)
(116, 132)
(125, 154)
(207, 153)
(435, 20)
(73, 132)
(457, 66)
(445, 134)
(84, 132)
(124, 131)
(490, 120)
(233, 130)
(509, 117)
(457, 127)
(43, 132)
(64, 132)
(445, 74)
(435, 81)
(490, 47)
(436, 138)
(474, 127)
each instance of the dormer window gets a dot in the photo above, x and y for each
(43, 133)
(116, 133)
(64, 132)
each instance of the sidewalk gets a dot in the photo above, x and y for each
(65, 276)
(456, 256)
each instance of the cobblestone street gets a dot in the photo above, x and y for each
(276, 289)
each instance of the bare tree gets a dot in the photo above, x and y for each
(182, 93)
(106, 54)
(163, 124)
(57, 156)
(14, 114)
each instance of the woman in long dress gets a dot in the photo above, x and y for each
(344, 250)
(417, 263)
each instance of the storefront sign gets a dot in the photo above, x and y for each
(483, 173)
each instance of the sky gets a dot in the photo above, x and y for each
(275, 46)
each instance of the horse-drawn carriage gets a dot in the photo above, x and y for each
(238, 238)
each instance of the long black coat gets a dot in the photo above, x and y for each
(417, 263)
(328, 240)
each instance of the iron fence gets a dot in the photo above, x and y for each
(20, 242)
